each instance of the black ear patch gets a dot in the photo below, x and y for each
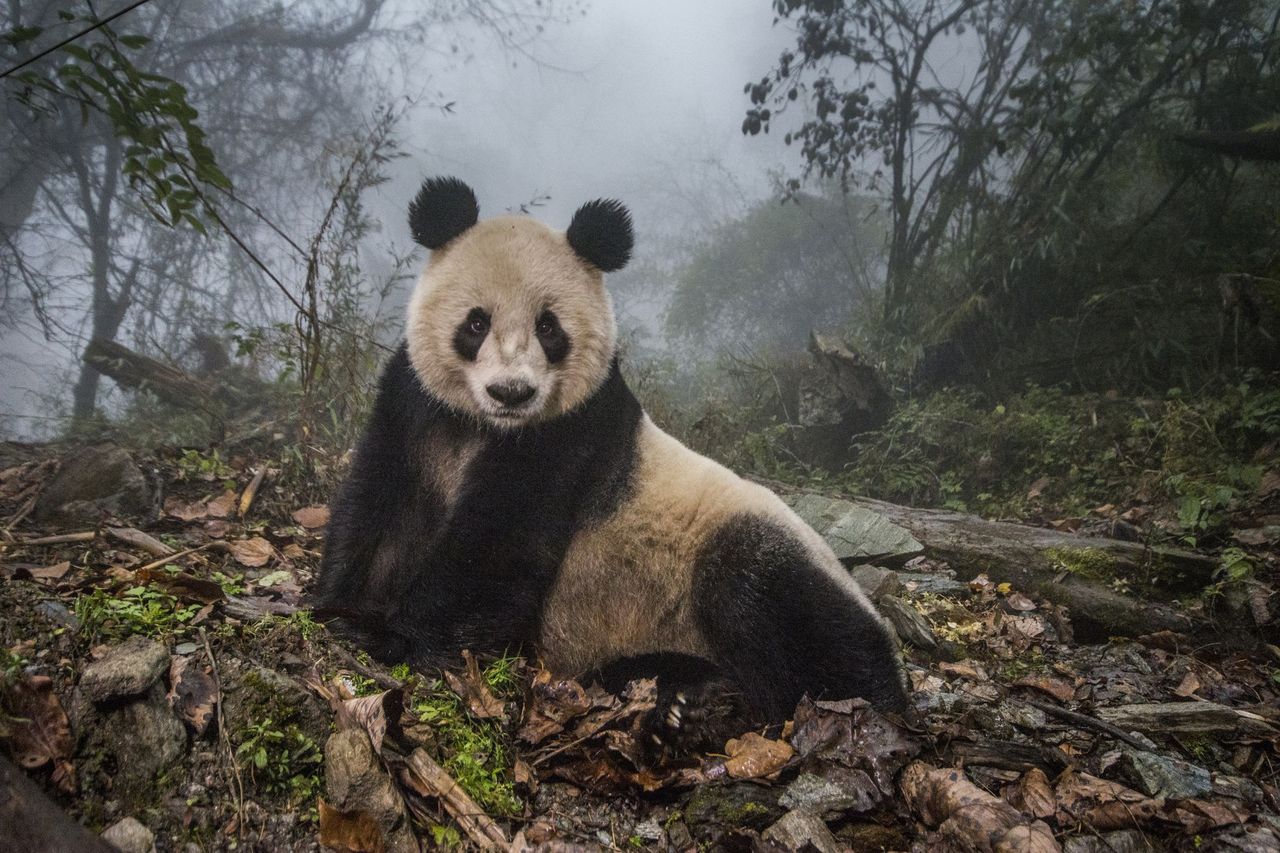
(601, 234)
(444, 208)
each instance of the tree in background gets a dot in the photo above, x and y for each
(763, 281)
(1026, 149)
(276, 86)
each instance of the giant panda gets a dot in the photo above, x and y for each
(510, 493)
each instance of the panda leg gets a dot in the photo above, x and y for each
(696, 703)
(782, 626)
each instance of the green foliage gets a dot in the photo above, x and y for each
(282, 759)
(195, 465)
(167, 161)
(476, 752)
(143, 610)
(957, 449)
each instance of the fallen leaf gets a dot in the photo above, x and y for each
(475, 692)
(851, 733)
(1188, 686)
(1018, 601)
(252, 552)
(185, 510)
(312, 517)
(968, 816)
(38, 730)
(1037, 488)
(1033, 795)
(963, 669)
(1055, 687)
(349, 832)
(193, 696)
(216, 528)
(223, 505)
(138, 539)
(375, 715)
(1101, 804)
(183, 585)
(44, 574)
(755, 757)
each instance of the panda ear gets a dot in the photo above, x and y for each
(600, 234)
(443, 209)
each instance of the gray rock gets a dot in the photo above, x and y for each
(129, 836)
(1159, 775)
(796, 829)
(1237, 787)
(936, 582)
(906, 620)
(855, 533)
(127, 670)
(876, 581)
(57, 612)
(94, 482)
(356, 782)
(147, 737)
(818, 796)
(1122, 841)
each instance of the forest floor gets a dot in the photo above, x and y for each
(163, 683)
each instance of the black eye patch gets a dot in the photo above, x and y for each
(552, 338)
(471, 333)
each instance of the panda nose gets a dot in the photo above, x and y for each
(511, 393)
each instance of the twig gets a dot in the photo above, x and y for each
(69, 39)
(138, 539)
(386, 682)
(1085, 721)
(226, 741)
(155, 564)
(425, 776)
(61, 538)
(251, 491)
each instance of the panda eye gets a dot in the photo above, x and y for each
(477, 323)
(546, 326)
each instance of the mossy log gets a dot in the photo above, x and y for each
(1111, 587)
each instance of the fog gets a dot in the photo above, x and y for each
(638, 101)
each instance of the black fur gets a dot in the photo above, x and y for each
(600, 234)
(781, 628)
(466, 339)
(553, 340)
(443, 209)
(474, 577)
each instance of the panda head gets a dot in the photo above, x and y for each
(510, 321)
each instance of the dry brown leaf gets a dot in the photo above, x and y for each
(475, 692)
(1018, 601)
(183, 585)
(136, 538)
(349, 832)
(968, 816)
(44, 574)
(374, 715)
(194, 695)
(756, 757)
(1033, 795)
(1189, 685)
(217, 528)
(553, 703)
(38, 731)
(854, 735)
(1037, 488)
(1055, 687)
(963, 669)
(222, 506)
(312, 517)
(1101, 804)
(185, 510)
(252, 552)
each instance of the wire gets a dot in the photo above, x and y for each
(42, 54)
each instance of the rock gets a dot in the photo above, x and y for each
(799, 830)
(355, 781)
(855, 533)
(130, 836)
(148, 737)
(935, 582)
(1237, 787)
(815, 795)
(911, 626)
(1122, 841)
(57, 612)
(1159, 775)
(127, 670)
(92, 482)
(876, 581)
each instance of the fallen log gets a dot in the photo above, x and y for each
(1079, 572)
(139, 372)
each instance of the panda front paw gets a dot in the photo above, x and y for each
(677, 725)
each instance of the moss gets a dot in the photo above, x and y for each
(1088, 563)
